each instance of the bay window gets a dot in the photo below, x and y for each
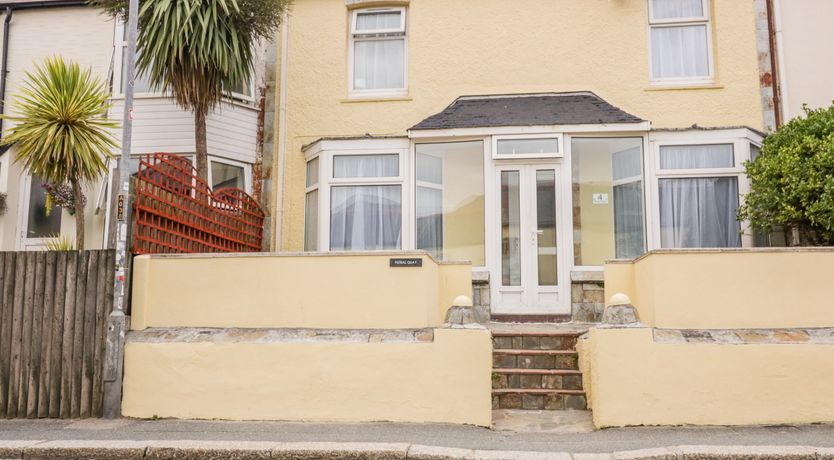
(378, 51)
(698, 196)
(680, 42)
(449, 200)
(608, 199)
(311, 206)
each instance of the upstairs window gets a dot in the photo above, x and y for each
(679, 33)
(378, 52)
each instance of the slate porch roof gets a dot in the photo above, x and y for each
(544, 109)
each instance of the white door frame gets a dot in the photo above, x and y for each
(22, 242)
(529, 290)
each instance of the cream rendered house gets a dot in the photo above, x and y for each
(36, 30)
(536, 140)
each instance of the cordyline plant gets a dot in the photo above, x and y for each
(199, 49)
(61, 132)
(793, 180)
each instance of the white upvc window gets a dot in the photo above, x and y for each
(225, 173)
(378, 61)
(699, 185)
(680, 42)
(354, 198)
(142, 86)
(527, 146)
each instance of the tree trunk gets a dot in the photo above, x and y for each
(78, 198)
(201, 145)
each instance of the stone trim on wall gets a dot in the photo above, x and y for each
(587, 296)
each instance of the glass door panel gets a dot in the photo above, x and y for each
(546, 241)
(510, 228)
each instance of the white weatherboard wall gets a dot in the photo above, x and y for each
(160, 126)
(80, 34)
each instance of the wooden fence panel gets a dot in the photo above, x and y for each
(53, 319)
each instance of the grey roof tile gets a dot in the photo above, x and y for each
(526, 110)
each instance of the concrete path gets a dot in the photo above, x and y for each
(127, 438)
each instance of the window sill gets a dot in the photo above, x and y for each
(683, 86)
(391, 98)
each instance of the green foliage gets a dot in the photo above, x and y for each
(59, 243)
(61, 132)
(60, 128)
(199, 49)
(793, 179)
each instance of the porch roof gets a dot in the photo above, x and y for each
(542, 109)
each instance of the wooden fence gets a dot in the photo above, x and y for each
(53, 318)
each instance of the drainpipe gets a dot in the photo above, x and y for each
(282, 138)
(774, 63)
(4, 65)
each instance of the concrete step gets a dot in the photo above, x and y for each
(539, 399)
(537, 379)
(534, 340)
(532, 359)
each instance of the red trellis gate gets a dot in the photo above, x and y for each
(176, 212)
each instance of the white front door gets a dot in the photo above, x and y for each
(527, 275)
(35, 226)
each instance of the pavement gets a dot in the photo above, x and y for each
(130, 438)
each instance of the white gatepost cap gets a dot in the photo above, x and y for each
(619, 299)
(462, 301)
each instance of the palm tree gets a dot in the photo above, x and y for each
(199, 49)
(61, 132)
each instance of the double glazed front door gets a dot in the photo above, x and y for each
(529, 219)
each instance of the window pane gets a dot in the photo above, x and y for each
(378, 21)
(365, 218)
(546, 217)
(676, 9)
(141, 84)
(608, 211)
(379, 64)
(312, 172)
(311, 221)
(244, 88)
(450, 201)
(39, 225)
(510, 229)
(227, 176)
(527, 146)
(696, 156)
(699, 213)
(755, 151)
(680, 52)
(345, 166)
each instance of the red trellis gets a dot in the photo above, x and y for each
(176, 212)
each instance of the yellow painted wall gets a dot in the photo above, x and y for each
(748, 288)
(292, 290)
(636, 381)
(445, 381)
(469, 47)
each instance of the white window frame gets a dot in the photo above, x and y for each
(119, 44)
(307, 190)
(248, 98)
(497, 156)
(376, 35)
(247, 171)
(705, 20)
(325, 151)
(741, 153)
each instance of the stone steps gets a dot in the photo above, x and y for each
(536, 370)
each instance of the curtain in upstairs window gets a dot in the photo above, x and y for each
(379, 64)
(680, 52)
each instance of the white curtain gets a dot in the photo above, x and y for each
(629, 223)
(696, 156)
(364, 218)
(680, 52)
(353, 166)
(378, 21)
(699, 213)
(669, 9)
(379, 64)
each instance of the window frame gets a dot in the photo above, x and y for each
(705, 20)
(559, 137)
(119, 45)
(247, 171)
(315, 187)
(377, 35)
(326, 182)
(741, 153)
